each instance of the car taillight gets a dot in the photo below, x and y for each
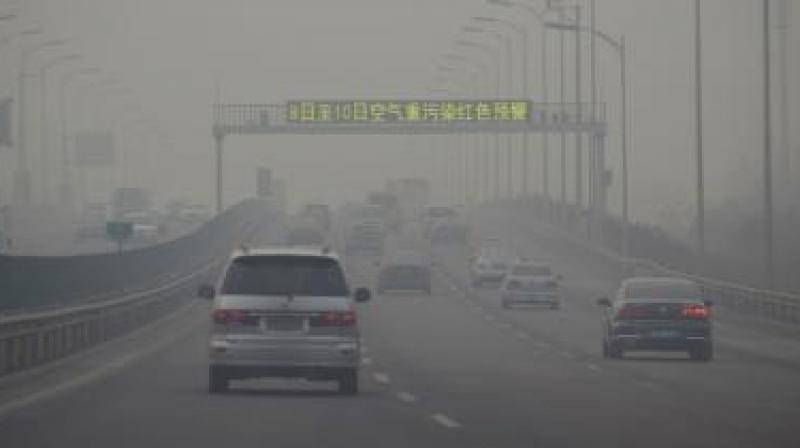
(696, 312)
(337, 319)
(224, 316)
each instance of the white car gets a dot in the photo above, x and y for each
(532, 284)
(530, 291)
(284, 312)
(488, 268)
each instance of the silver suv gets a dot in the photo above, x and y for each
(284, 313)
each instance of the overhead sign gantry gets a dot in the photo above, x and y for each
(410, 117)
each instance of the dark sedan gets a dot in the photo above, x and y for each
(657, 314)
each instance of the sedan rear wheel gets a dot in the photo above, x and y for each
(703, 352)
(614, 351)
(348, 382)
(217, 380)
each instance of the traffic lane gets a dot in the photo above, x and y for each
(749, 383)
(750, 336)
(541, 239)
(162, 401)
(505, 390)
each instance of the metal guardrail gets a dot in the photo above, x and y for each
(34, 339)
(775, 305)
(39, 337)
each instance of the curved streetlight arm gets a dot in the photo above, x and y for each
(614, 43)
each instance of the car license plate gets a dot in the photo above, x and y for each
(294, 324)
(664, 334)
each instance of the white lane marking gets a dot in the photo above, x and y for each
(523, 335)
(489, 317)
(381, 378)
(445, 421)
(594, 367)
(506, 325)
(366, 361)
(567, 355)
(542, 344)
(406, 397)
(364, 350)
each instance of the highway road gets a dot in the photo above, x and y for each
(450, 370)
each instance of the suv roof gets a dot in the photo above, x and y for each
(285, 251)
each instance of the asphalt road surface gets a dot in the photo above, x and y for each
(450, 370)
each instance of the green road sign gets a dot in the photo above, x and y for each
(119, 231)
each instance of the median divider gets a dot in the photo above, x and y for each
(30, 338)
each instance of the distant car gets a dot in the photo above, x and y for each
(365, 238)
(404, 276)
(657, 314)
(284, 313)
(449, 233)
(435, 215)
(528, 290)
(488, 268)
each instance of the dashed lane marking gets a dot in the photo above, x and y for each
(406, 397)
(594, 367)
(445, 421)
(381, 378)
(366, 361)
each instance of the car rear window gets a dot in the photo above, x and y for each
(285, 275)
(532, 270)
(662, 290)
(517, 285)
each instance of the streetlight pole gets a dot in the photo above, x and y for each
(768, 205)
(523, 35)
(540, 17)
(43, 117)
(495, 59)
(66, 178)
(619, 46)
(562, 100)
(22, 181)
(503, 41)
(698, 94)
(578, 113)
(481, 78)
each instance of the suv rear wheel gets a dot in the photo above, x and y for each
(614, 350)
(217, 380)
(348, 382)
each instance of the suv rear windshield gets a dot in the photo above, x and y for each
(285, 275)
(662, 290)
(531, 270)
